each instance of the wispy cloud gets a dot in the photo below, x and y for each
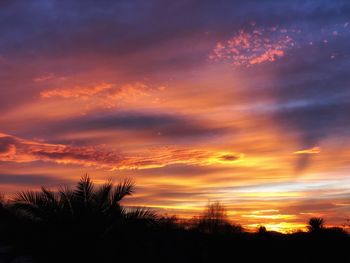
(84, 92)
(103, 94)
(313, 150)
(47, 77)
(14, 149)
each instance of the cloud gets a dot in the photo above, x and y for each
(256, 46)
(230, 157)
(103, 94)
(28, 179)
(252, 45)
(47, 78)
(313, 150)
(161, 126)
(76, 92)
(15, 149)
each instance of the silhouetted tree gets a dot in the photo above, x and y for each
(81, 217)
(214, 220)
(316, 224)
(262, 230)
(85, 200)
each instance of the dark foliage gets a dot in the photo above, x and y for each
(316, 224)
(88, 224)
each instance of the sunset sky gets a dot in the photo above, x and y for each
(243, 102)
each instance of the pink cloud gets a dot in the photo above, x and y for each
(253, 47)
(14, 149)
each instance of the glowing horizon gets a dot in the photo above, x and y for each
(231, 102)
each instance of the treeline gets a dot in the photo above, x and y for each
(88, 224)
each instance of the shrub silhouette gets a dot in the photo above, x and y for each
(316, 224)
(214, 220)
(262, 230)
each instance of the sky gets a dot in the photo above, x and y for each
(242, 102)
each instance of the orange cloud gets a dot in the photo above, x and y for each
(314, 150)
(103, 94)
(77, 92)
(14, 149)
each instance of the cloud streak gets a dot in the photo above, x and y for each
(162, 126)
(313, 150)
(106, 95)
(14, 149)
(77, 92)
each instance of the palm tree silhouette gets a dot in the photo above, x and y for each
(85, 218)
(86, 202)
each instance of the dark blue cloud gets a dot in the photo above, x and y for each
(163, 126)
(29, 179)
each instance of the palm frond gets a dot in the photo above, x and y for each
(121, 190)
(141, 213)
(50, 197)
(66, 195)
(103, 194)
(29, 203)
(84, 189)
(29, 197)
